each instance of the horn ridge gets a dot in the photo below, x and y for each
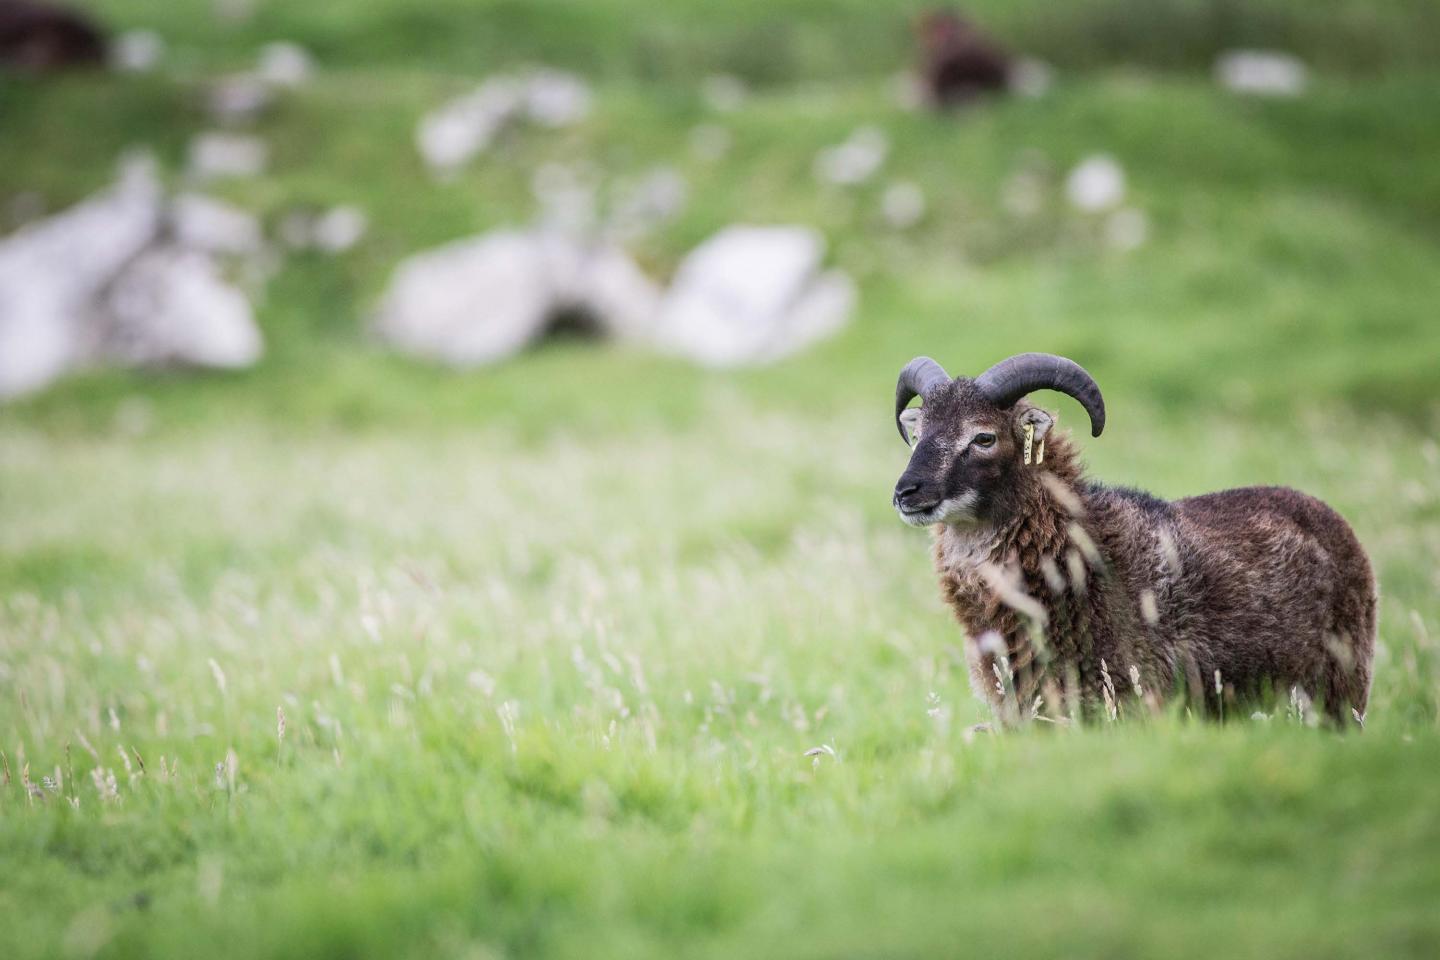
(1014, 377)
(917, 379)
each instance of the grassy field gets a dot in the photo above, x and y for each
(551, 642)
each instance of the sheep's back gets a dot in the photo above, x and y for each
(1274, 580)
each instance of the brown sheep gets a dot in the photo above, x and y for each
(36, 37)
(958, 62)
(1076, 593)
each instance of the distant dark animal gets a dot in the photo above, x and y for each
(1080, 594)
(958, 62)
(40, 37)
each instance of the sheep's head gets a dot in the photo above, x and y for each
(968, 437)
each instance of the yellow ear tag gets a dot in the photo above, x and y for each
(1029, 439)
(1040, 452)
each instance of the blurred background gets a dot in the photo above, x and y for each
(1225, 203)
(446, 452)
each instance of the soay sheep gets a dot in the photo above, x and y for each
(36, 37)
(959, 63)
(1075, 594)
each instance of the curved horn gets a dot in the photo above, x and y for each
(1011, 379)
(918, 378)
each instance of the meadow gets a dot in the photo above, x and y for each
(596, 654)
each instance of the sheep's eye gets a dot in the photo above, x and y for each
(984, 440)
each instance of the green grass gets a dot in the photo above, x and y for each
(552, 640)
(777, 41)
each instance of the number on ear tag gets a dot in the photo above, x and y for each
(1029, 440)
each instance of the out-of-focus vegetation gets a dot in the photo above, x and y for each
(552, 639)
(1292, 256)
(785, 41)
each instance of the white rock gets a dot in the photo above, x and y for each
(335, 230)
(1126, 229)
(448, 138)
(481, 300)
(724, 92)
(39, 339)
(339, 229)
(1097, 183)
(902, 204)
(240, 98)
(171, 306)
(213, 226)
(284, 64)
(456, 132)
(453, 134)
(608, 288)
(216, 155)
(821, 311)
(1268, 73)
(107, 281)
(751, 295)
(137, 51)
(856, 160)
(52, 271)
(554, 98)
(1029, 77)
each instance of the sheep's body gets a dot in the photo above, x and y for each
(959, 63)
(36, 37)
(1265, 587)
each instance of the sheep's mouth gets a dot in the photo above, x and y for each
(956, 510)
(922, 517)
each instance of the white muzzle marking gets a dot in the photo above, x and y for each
(954, 510)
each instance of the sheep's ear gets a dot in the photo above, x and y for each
(1039, 419)
(910, 420)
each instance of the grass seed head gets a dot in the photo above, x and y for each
(1112, 707)
(218, 674)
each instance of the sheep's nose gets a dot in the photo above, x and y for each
(907, 494)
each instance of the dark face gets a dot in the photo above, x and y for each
(965, 460)
(940, 29)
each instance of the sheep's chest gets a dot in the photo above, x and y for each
(985, 587)
(967, 561)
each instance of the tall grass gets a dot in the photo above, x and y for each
(629, 712)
